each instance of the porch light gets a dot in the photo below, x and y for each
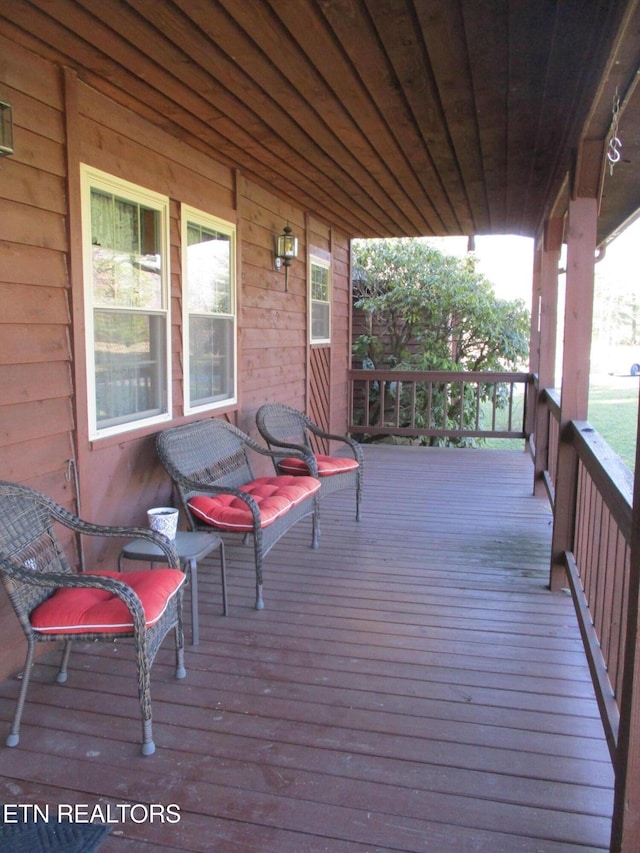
(6, 130)
(286, 250)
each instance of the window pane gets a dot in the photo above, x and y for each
(209, 296)
(209, 270)
(319, 282)
(320, 290)
(125, 240)
(130, 360)
(320, 320)
(210, 359)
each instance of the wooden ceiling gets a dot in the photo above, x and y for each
(386, 117)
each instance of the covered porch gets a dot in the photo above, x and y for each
(412, 685)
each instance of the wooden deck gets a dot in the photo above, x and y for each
(410, 686)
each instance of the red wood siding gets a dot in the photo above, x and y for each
(272, 321)
(340, 331)
(35, 358)
(327, 393)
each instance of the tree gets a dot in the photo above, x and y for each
(429, 311)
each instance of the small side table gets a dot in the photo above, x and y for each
(191, 547)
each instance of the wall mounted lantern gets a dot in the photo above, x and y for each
(6, 130)
(286, 250)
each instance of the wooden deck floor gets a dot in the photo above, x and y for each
(410, 686)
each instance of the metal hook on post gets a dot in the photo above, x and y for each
(615, 143)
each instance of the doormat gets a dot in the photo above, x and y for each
(52, 836)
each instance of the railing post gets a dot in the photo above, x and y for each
(578, 320)
(546, 298)
(625, 833)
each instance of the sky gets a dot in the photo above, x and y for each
(506, 261)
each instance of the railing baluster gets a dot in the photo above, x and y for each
(511, 391)
(413, 404)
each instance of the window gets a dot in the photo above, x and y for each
(320, 287)
(126, 298)
(208, 277)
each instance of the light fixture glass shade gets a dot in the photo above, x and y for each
(6, 130)
(286, 246)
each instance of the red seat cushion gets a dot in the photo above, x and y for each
(274, 496)
(327, 465)
(76, 611)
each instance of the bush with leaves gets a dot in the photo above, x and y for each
(429, 311)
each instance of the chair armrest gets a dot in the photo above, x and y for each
(298, 451)
(87, 528)
(302, 452)
(344, 439)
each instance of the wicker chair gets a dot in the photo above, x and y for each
(53, 602)
(286, 429)
(208, 462)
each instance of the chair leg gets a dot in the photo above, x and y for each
(259, 599)
(257, 555)
(181, 671)
(148, 745)
(144, 694)
(195, 623)
(316, 522)
(13, 738)
(61, 677)
(223, 578)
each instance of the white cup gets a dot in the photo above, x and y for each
(164, 519)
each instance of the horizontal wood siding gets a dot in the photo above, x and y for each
(328, 391)
(340, 332)
(36, 418)
(272, 321)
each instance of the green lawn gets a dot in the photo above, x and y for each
(613, 411)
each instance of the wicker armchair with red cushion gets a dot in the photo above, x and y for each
(287, 430)
(53, 602)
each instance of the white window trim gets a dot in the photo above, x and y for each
(91, 178)
(321, 260)
(192, 214)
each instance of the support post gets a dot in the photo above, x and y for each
(578, 318)
(547, 314)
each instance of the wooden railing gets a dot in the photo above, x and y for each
(598, 561)
(548, 410)
(598, 566)
(439, 404)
